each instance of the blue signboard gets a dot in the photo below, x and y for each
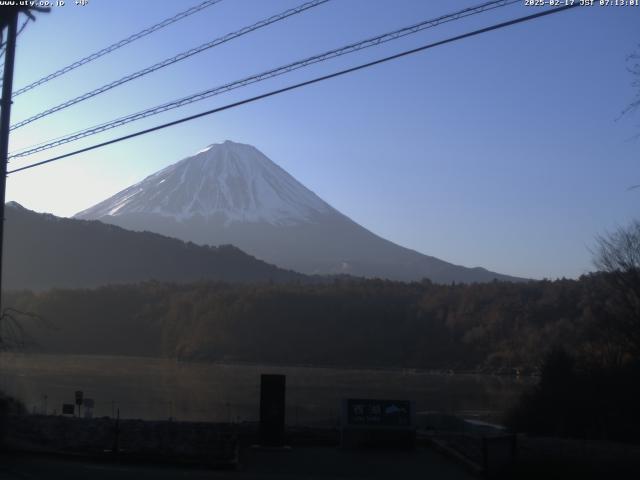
(378, 413)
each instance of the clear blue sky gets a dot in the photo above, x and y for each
(503, 150)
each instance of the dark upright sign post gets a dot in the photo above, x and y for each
(79, 395)
(272, 410)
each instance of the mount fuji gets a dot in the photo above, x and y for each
(231, 193)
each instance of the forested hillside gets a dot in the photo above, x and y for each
(348, 322)
(42, 251)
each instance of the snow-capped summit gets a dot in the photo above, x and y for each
(231, 193)
(230, 181)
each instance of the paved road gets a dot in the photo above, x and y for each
(300, 463)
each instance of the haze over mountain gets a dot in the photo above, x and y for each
(44, 251)
(231, 193)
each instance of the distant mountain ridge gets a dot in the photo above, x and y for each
(231, 193)
(43, 251)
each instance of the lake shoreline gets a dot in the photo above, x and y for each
(156, 388)
(499, 372)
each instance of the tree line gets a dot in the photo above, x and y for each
(497, 326)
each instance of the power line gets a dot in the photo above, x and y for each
(170, 61)
(303, 84)
(370, 42)
(3, 44)
(132, 38)
(22, 27)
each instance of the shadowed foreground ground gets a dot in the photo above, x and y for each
(303, 462)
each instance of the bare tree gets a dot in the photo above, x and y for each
(618, 256)
(633, 66)
(12, 332)
(619, 251)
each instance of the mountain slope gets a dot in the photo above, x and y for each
(44, 251)
(231, 193)
(230, 182)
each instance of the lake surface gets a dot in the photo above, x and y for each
(153, 388)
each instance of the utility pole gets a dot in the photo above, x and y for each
(5, 118)
(9, 19)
